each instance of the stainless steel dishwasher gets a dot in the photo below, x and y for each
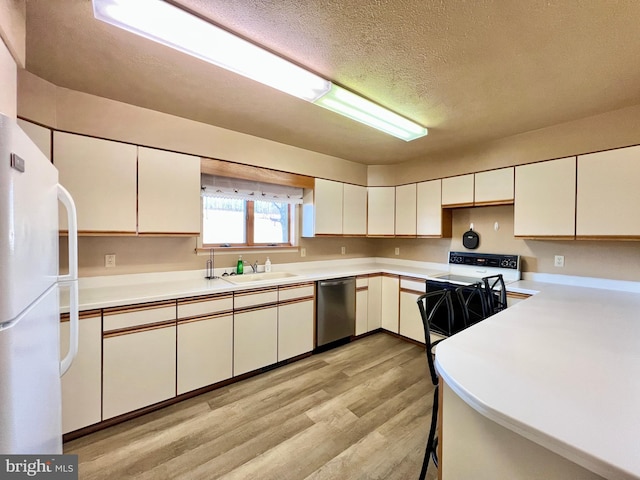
(336, 310)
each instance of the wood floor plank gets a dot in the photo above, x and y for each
(360, 411)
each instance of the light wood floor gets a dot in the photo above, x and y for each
(360, 411)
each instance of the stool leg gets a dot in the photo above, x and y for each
(432, 434)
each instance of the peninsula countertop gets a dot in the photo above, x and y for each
(561, 369)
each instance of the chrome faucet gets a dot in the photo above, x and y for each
(254, 266)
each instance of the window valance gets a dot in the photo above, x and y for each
(236, 188)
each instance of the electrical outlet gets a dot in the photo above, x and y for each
(110, 260)
(343, 250)
(303, 252)
(558, 261)
(397, 251)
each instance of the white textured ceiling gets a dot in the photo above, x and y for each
(470, 71)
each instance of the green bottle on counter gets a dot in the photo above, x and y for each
(240, 267)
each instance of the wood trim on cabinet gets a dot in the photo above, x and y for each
(64, 317)
(138, 329)
(223, 168)
(390, 275)
(168, 234)
(297, 300)
(623, 238)
(408, 290)
(362, 289)
(198, 318)
(137, 307)
(100, 233)
(458, 205)
(545, 237)
(254, 308)
(490, 203)
(518, 295)
(244, 293)
(447, 223)
(296, 285)
(205, 298)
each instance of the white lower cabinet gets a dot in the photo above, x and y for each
(205, 351)
(374, 303)
(410, 319)
(81, 385)
(295, 328)
(139, 369)
(362, 305)
(255, 329)
(255, 339)
(390, 302)
(139, 357)
(296, 311)
(205, 341)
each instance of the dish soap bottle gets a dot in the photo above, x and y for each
(267, 265)
(240, 266)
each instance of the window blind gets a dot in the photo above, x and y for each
(236, 188)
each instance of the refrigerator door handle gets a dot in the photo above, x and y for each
(67, 200)
(71, 279)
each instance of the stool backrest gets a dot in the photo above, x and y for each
(429, 304)
(473, 303)
(496, 293)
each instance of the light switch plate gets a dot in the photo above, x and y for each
(558, 261)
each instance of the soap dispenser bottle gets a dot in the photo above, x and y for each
(240, 266)
(267, 265)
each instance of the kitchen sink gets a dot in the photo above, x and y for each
(250, 278)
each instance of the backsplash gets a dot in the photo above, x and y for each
(604, 259)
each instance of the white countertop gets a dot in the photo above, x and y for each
(561, 369)
(109, 291)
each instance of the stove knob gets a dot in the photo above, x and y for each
(504, 263)
(513, 264)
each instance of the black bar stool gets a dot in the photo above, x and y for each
(430, 304)
(496, 293)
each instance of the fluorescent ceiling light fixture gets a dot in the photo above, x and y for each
(167, 24)
(364, 111)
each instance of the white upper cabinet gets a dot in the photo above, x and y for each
(101, 177)
(608, 197)
(41, 136)
(168, 192)
(406, 210)
(494, 187)
(458, 191)
(429, 209)
(545, 199)
(354, 210)
(381, 211)
(323, 209)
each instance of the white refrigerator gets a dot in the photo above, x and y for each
(30, 365)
